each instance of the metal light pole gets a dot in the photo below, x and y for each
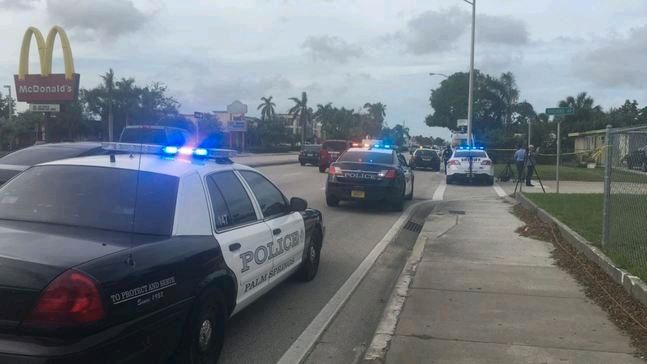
(470, 96)
(8, 87)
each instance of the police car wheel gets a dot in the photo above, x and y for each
(310, 265)
(410, 195)
(449, 180)
(332, 201)
(490, 181)
(205, 332)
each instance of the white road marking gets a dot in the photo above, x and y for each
(499, 191)
(440, 191)
(308, 338)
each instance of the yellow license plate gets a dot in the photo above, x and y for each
(357, 194)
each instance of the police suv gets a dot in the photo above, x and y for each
(140, 257)
(470, 164)
(374, 173)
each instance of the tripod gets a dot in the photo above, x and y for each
(528, 162)
(507, 173)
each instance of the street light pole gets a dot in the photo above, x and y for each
(8, 87)
(470, 96)
(438, 74)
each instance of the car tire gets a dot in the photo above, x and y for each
(332, 201)
(205, 331)
(310, 265)
(449, 180)
(322, 169)
(410, 196)
(398, 204)
(490, 181)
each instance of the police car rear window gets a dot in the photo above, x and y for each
(425, 153)
(94, 197)
(335, 146)
(470, 153)
(367, 157)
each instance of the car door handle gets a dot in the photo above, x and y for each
(276, 231)
(233, 247)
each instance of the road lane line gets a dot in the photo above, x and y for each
(439, 194)
(499, 191)
(302, 346)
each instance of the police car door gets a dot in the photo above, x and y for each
(287, 227)
(242, 235)
(408, 175)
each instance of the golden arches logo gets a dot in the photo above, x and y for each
(45, 52)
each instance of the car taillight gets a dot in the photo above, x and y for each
(387, 173)
(454, 162)
(334, 171)
(486, 162)
(71, 298)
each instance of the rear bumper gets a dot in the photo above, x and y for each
(426, 164)
(470, 176)
(149, 340)
(343, 191)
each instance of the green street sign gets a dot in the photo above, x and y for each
(560, 111)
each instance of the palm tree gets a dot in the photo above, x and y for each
(109, 87)
(509, 96)
(128, 95)
(376, 112)
(267, 108)
(300, 111)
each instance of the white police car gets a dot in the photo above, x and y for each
(136, 258)
(469, 164)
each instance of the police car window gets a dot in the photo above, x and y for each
(425, 153)
(229, 200)
(337, 146)
(469, 153)
(367, 157)
(269, 197)
(94, 197)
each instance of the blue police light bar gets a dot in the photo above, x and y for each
(169, 150)
(387, 146)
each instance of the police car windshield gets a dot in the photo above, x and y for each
(367, 157)
(93, 197)
(39, 154)
(470, 153)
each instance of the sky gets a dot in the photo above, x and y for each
(212, 52)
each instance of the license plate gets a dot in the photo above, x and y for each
(426, 159)
(357, 194)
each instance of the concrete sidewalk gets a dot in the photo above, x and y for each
(484, 294)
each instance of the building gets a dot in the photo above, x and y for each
(232, 122)
(589, 142)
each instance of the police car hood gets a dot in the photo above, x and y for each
(33, 254)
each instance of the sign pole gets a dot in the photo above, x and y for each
(559, 143)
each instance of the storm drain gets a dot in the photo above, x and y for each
(412, 226)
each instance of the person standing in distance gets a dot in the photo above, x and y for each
(447, 154)
(519, 160)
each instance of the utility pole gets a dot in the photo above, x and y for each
(470, 97)
(8, 87)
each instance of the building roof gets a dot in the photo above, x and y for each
(585, 133)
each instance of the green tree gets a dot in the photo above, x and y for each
(300, 112)
(398, 135)
(108, 87)
(267, 108)
(376, 112)
(588, 116)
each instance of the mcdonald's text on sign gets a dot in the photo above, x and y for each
(46, 87)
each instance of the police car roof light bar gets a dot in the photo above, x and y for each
(169, 150)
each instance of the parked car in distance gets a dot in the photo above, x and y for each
(638, 159)
(425, 158)
(309, 154)
(155, 134)
(20, 160)
(330, 151)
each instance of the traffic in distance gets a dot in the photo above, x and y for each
(164, 241)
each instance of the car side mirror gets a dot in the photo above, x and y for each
(298, 204)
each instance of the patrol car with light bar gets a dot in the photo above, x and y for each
(142, 254)
(373, 173)
(469, 164)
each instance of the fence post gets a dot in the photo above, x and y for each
(607, 187)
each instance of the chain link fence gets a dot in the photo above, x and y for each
(624, 236)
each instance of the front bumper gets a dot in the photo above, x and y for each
(151, 339)
(377, 192)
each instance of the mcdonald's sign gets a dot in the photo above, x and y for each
(46, 87)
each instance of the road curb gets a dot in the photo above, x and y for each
(379, 346)
(632, 284)
(302, 346)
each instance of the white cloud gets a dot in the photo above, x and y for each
(18, 4)
(331, 48)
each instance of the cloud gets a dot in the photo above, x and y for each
(501, 30)
(619, 62)
(434, 31)
(439, 31)
(331, 48)
(106, 18)
(18, 4)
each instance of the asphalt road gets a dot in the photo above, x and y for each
(265, 330)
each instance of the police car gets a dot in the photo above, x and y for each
(374, 173)
(470, 164)
(141, 257)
